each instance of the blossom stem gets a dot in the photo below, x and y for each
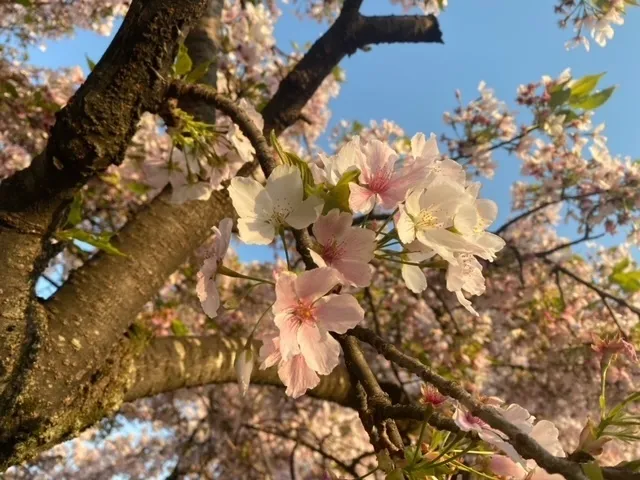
(387, 221)
(222, 270)
(286, 252)
(419, 442)
(253, 330)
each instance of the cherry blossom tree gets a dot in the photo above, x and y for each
(398, 332)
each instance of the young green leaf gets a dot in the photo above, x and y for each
(183, 63)
(100, 241)
(593, 101)
(585, 85)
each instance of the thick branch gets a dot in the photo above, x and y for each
(349, 32)
(172, 363)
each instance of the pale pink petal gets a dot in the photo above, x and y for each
(354, 272)
(320, 350)
(289, 328)
(270, 352)
(414, 278)
(359, 244)
(488, 210)
(546, 434)
(256, 232)
(305, 213)
(466, 219)
(331, 226)
(505, 467)
(378, 156)
(406, 227)
(361, 200)
(223, 237)
(209, 297)
(312, 285)
(410, 176)
(317, 259)
(338, 313)
(297, 376)
(286, 296)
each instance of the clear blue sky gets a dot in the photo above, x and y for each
(503, 42)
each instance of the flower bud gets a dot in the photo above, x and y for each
(244, 367)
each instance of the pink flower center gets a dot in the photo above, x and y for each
(380, 181)
(332, 251)
(304, 313)
(472, 420)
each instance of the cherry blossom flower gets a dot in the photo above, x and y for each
(380, 183)
(472, 218)
(206, 276)
(429, 395)
(263, 210)
(294, 373)
(426, 216)
(304, 316)
(426, 152)
(465, 274)
(333, 168)
(346, 249)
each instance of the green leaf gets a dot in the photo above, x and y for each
(592, 470)
(336, 197)
(633, 3)
(100, 241)
(138, 188)
(628, 281)
(75, 211)
(24, 3)
(585, 85)
(197, 73)
(183, 63)
(179, 329)
(90, 63)
(621, 265)
(559, 97)
(591, 102)
(349, 176)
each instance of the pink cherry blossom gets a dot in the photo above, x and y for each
(346, 249)
(206, 276)
(294, 373)
(305, 316)
(380, 182)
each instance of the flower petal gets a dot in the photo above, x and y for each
(286, 296)
(312, 285)
(297, 376)
(338, 313)
(353, 272)
(414, 278)
(466, 219)
(270, 352)
(320, 350)
(256, 232)
(249, 198)
(284, 187)
(332, 226)
(288, 327)
(361, 200)
(305, 212)
(406, 227)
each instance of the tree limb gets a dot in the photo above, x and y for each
(350, 32)
(524, 445)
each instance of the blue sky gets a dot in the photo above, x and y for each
(503, 42)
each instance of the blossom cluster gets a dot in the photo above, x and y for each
(596, 17)
(430, 210)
